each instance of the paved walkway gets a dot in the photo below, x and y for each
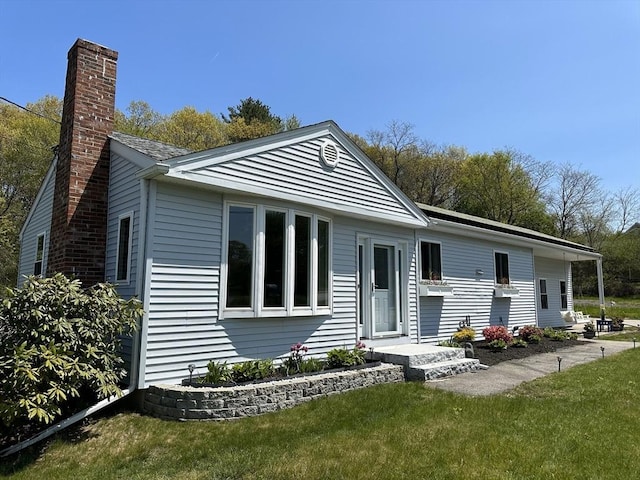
(507, 375)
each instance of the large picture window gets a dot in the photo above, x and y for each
(278, 262)
(123, 254)
(431, 261)
(502, 268)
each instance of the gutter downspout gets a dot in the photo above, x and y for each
(53, 429)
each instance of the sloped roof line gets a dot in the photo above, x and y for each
(152, 148)
(465, 219)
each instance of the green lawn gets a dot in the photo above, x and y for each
(581, 423)
(624, 307)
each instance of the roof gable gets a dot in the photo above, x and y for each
(290, 166)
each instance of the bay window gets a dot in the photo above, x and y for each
(276, 262)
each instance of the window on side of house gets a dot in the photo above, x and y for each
(563, 295)
(502, 268)
(544, 297)
(240, 256)
(39, 260)
(123, 252)
(287, 251)
(431, 261)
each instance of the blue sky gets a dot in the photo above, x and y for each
(558, 80)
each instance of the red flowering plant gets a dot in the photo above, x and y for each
(497, 332)
(531, 333)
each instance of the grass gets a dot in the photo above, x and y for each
(579, 423)
(624, 307)
(627, 335)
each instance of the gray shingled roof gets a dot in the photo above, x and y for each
(152, 148)
(463, 218)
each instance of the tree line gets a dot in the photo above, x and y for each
(504, 185)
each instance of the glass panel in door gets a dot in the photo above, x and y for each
(384, 292)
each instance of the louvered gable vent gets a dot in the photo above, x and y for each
(329, 153)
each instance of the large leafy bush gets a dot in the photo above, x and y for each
(58, 342)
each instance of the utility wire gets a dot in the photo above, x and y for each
(30, 111)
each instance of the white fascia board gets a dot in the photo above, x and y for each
(50, 173)
(153, 171)
(220, 185)
(448, 226)
(134, 156)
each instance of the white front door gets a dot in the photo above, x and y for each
(378, 277)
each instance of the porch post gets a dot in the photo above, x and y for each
(600, 287)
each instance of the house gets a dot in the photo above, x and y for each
(238, 252)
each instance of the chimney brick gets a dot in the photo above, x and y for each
(79, 222)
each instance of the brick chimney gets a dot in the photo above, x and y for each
(79, 221)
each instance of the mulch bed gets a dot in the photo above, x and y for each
(489, 357)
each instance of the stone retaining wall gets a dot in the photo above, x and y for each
(208, 403)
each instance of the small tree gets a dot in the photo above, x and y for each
(58, 341)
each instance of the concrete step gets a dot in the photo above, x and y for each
(445, 368)
(417, 354)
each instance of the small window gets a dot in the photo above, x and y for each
(37, 265)
(431, 261)
(123, 255)
(544, 298)
(563, 294)
(502, 268)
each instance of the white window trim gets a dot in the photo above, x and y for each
(35, 258)
(258, 310)
(427, 240)
(127, 279)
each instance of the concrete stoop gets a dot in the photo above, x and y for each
(427, 362)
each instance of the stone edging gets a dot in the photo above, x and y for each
(221, 403)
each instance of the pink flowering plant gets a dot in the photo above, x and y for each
(497, 332)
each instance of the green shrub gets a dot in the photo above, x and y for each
(448, 343)
(555, 334)
(465, 334)
(58, 342)
(519, 343)
(534, 339)
(217, 372)
(341, 357)
(311, 365)
(252, 370)
(497, 345)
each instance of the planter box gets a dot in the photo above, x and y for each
(435, 290)
(505, 292)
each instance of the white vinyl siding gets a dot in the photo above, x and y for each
(39, 223)
(473, 292)
(124, 200)
(296, 171)
(183, 323)
(554, 271)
